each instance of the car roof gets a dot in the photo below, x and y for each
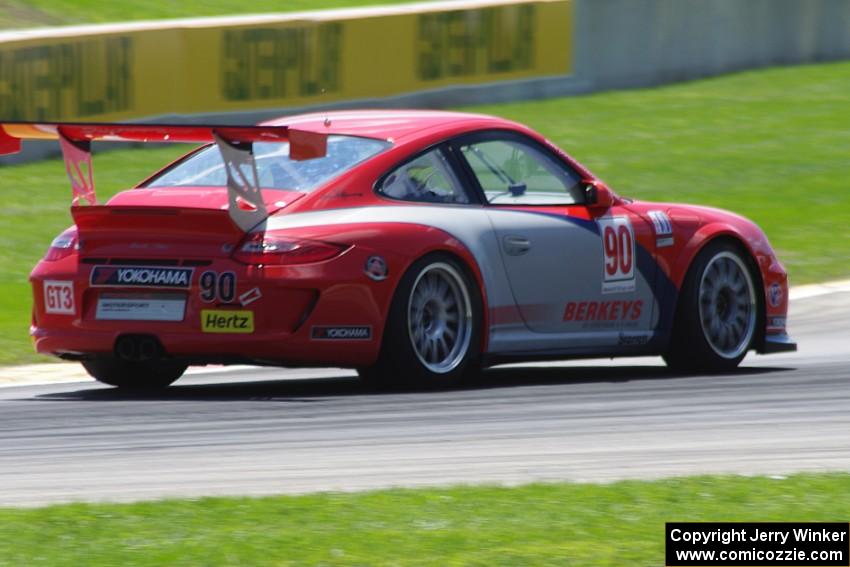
(386, 124)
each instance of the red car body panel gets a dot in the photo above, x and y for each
(281, 333)
(188, 228)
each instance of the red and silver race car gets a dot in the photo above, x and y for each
(414, 246)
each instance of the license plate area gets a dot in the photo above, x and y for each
(152, 306)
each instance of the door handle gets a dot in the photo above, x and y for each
(516, 245)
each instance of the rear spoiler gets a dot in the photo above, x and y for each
(246, 206)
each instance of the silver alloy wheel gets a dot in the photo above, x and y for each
(439, 318)
(727, 305)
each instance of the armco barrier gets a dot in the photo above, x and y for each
(437, 54)
(217, 65)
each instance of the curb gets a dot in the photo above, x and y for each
(63, 372)
(45, 373)
(815, 290)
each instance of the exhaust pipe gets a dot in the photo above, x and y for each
(148, 349)
(126, 349)
(138, 348)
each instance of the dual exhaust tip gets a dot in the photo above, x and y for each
(138, 348)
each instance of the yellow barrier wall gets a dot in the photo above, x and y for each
(204, 66)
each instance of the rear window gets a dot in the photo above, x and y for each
(274, 168)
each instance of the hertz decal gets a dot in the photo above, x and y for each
(202, 66)
(227, 321)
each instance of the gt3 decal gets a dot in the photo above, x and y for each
(227, 321)
(159, 277)
(349, 333)
(618, 249)
(59, 298)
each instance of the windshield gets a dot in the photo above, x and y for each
(274, 168)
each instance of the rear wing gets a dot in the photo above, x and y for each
(246, 206)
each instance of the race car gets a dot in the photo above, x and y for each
(415, 246)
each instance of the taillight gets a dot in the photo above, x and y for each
(62, 246)
(266, 249)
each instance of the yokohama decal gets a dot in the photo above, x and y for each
(618, 250)
(350, 333)
(117, 276)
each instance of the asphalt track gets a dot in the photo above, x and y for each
(279, 431)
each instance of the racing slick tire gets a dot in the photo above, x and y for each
(149, 375)
(717, 313)
(433, 334)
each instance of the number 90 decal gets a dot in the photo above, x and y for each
(618, 251)
(217, 287)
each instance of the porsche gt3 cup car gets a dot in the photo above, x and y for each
(414, 246)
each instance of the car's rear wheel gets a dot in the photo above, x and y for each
(717, 313)
(150, 375)
(433, 333)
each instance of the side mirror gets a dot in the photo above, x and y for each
(597, 195)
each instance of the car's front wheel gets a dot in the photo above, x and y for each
(433, 332)
(152, 375)
(717, 313)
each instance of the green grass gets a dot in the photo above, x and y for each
(37, 13)
(542, 524)
(36, 200)
(772, 145)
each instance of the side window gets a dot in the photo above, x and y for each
(514, 173)
(428, 178)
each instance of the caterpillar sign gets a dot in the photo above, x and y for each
(212, 65)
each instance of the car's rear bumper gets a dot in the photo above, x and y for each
(327, 313)
(779, 342)
(296, 349)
